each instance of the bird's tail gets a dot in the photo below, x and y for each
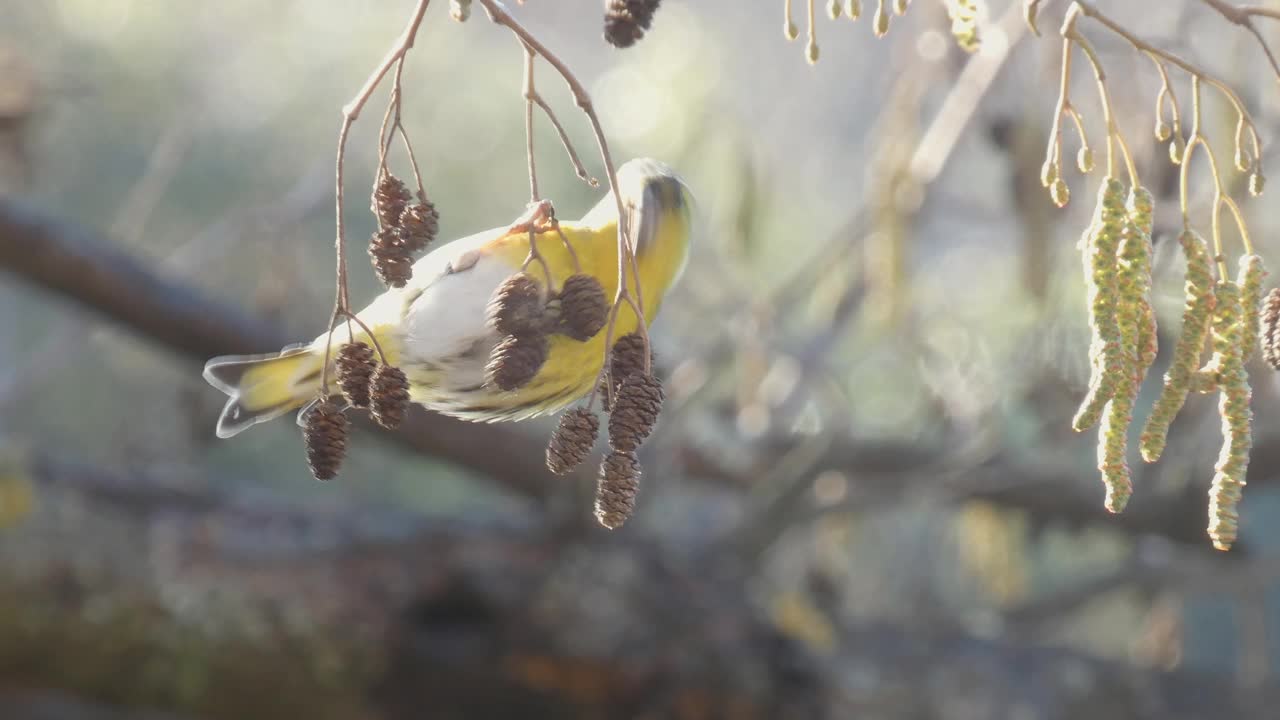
(263, 387)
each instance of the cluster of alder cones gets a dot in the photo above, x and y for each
(526, 315)
(366, 384)
(406, 226)
(632, 397)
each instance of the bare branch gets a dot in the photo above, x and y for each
(1243, 16)
(351, 111)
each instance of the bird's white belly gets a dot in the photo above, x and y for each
(448, 318)
(446, 340)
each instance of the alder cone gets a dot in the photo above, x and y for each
(583, 310)
(392, 261)
(625, 21)
(616, 489)
(572, 441)
(635, 412)
(390, 196)
(389, 396)
(516, 360)
(516, 306)
(325, 436)
(626, 358)
(355, 365)
(419, 224)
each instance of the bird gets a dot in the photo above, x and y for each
(435, 327)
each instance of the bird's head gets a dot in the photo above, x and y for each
(659, 207)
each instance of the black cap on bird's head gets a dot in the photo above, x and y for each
(650, 189)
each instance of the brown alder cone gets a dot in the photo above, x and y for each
(389, 396)
(516, 306)
(419, 224)
(355, 365)
(625, 21)
(583, 310)
(390, 196)
(625, 359)
(572, 441)
(635, 412)
(325, 436)
(515, 361)
(392, 261)
(616, 488)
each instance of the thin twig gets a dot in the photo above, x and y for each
(392, 125)
(1089, 10)
(564, 239)
(535, 255)
(1197, 139)
(372, 338)
(497, 13)
(1167, 92)
(1053, 153)
(529, 93)
(578, 168)
(535, 198)
(1243, 17)
(1104, 96)
(533, 97)
(350, 112)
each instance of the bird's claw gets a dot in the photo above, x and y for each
(539, 215)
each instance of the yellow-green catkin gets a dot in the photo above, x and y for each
(964, 24)
(1203, 381)
(853, 9)
(1141, 208)
(1196, 318)
(1049, 172)
(1112, 449)
(1251, 275)
(1059, 193)
(881, 20)
(1136, 348)
(1237, 419)
(1099, 246)
(1084, 159)
(1030, 10)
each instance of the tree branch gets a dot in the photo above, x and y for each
(1243, 17)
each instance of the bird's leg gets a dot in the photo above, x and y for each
(535, 217)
